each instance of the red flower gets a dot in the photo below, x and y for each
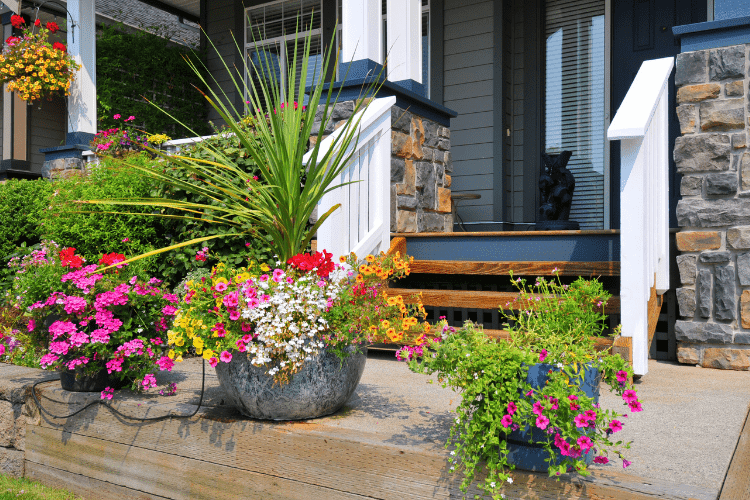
(319, 260)
(69, 259)
(11, 40)
(109, 259)
(59, 46)
(17, 21)
(53, 27)
(38, 23)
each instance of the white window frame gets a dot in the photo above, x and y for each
(278, 41)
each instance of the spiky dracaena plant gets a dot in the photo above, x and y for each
(282, 205)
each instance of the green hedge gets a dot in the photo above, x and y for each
(94, 229)
(22, 204)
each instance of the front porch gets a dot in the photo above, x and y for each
(386, 443)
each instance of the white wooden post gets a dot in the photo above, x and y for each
(404, 41)
(642, 126)
(362, 223)
(361, 32)
(82, 46)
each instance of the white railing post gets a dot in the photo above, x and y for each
(362, 223)
(642, 126)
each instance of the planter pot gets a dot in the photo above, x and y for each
(320, 388)
(524, 451)
(76, 381)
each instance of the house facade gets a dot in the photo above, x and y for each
(484, 88)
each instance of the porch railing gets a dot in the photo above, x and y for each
(362, 223)
(642, 127)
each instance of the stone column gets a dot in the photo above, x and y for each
(714, 212)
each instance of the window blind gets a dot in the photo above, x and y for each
(575, 100)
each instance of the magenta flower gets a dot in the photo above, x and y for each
(542, 422)
(226, 356)
(511, 407)
(130, 118)
(165, 363)
(625, 463)
(149, 381)
(622, 376)
(585, 443)
(213, 361)
(629, 396)
(117, 116)
(581, 420)
(635, 406)
(221, 286)
(107, 393)
(601, 459)
(506, 421)
(537, 408)
(615, 426)
(543, 355)
(125, 240)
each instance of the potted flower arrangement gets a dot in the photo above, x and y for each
(532, 401)
(32, 66)
(100, 325)
(121, 140)
(290, 342)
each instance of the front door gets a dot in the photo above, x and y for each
(642, 30)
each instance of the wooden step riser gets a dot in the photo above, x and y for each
(521, 268)
(469, 299)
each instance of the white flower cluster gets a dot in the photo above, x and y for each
(288, 316)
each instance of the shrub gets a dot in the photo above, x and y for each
(94, 229)
(176, 264)
(22, 202)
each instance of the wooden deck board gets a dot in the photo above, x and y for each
(470, 299)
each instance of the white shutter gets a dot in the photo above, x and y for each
(575, 100)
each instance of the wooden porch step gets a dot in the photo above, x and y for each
(471, 299)
(521, 268)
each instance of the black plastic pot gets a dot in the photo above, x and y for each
(76, 381)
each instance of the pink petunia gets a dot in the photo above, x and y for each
(226, 356)
(581, 420)
(601, 459)
(537, 408)
(506, 421)
(107, 393)
(622, 376)
(511, 407)
(585, 443)
(221, 286)
(31, 325)
(635, 406)
(543, 355)
(629, 396)
(542, 422)
(615, 426)
(213, 361)
(625, 463)
(117, 116)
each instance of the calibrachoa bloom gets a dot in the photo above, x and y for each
(32, 66)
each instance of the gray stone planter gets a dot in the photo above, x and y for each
(320, 388)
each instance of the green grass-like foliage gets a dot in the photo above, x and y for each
(280, 204)
(24, 489)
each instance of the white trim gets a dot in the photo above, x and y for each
(607, 111)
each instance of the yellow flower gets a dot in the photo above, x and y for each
(265, 268)
(208, 354)
(198, 342)
(170, 354)
(179, 341)
(360, 279)
(385, 323)
(220, 280)
(370, 259)
(342, 259)
(178, 358)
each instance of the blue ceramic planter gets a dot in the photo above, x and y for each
(524, 452)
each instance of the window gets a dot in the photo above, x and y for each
(728, 9)
(270, 39)
(575, 104)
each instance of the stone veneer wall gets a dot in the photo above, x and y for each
(420, 169)
(17, 409)
(714, 212)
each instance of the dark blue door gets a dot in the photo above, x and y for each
(642, 30)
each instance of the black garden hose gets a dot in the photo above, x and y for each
(115, 410)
